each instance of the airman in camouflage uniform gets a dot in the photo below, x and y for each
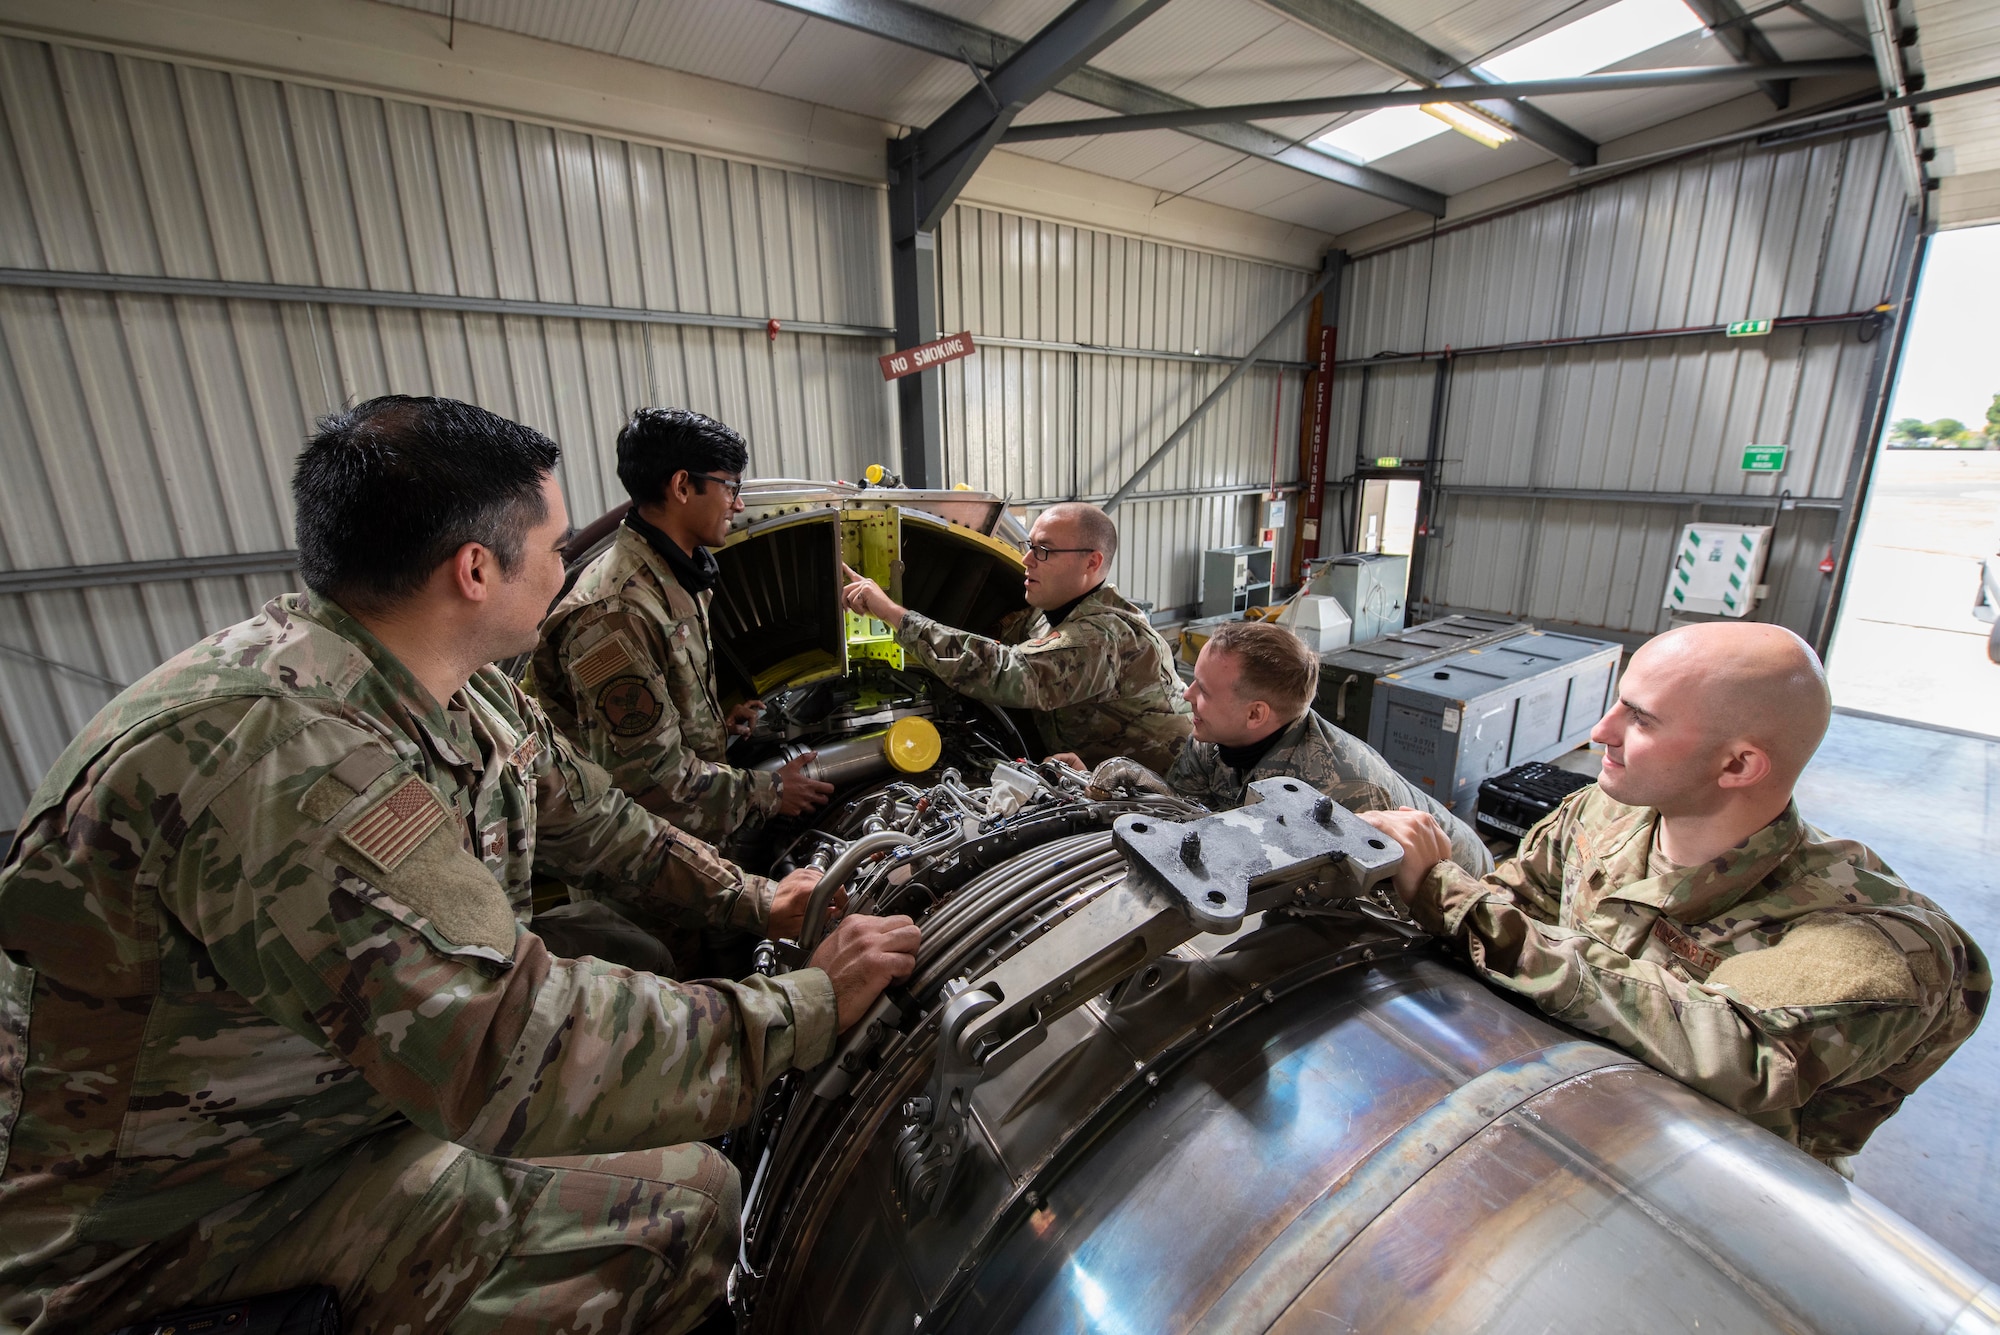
(624, 671)
(268, 1012)
(1337, 763)
(1794, 978)
(1253, 676)
(1098, 676)
(1682, 910)
(625, 667)
(266, 986)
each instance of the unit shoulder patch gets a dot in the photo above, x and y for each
(388, 831)
(630, 706)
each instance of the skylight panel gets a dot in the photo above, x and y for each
(1590, 44)
(1380, 133)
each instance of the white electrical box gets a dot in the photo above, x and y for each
(1717, 569)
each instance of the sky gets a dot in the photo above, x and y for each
(1951, 363)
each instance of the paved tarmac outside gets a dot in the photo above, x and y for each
(1907, 645)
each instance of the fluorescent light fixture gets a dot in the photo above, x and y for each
(1470, 122)
(1615, 33)
(1380, 133)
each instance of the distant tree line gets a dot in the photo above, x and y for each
(1947, 433)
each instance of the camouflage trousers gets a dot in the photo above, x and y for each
(421, 1236)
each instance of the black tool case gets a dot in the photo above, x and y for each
(1511, 803)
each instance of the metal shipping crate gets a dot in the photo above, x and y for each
(1369, 585)
(1454, 721)
(1347, 676)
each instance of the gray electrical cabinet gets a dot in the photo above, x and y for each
(1235, 578)
(1447, 724)
(1347, 677)
(1370, 586)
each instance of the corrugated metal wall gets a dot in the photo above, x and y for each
(1052, 422)
(142, 427)
(1807, 229)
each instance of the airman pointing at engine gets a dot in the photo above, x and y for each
(1098, 676)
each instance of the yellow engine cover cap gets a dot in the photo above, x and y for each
(913, 745)
(874, 473)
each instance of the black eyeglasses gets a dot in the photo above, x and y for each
(735, 489)
(1041, 551)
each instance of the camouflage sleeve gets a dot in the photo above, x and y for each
(1074, 665)
(593, 836)
(1185, 776)
(355, 917)
(1532, 879)
(1756, 1052)
(615, 663)
(1370, 783)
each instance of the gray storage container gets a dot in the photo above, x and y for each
(1369, 585)
(1451, 722)
(1347, 676)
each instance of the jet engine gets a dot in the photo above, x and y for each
(1166, 1070)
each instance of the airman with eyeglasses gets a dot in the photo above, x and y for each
(625, 665)
(1098, 677)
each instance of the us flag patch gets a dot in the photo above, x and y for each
(387, 832)
(605, 659)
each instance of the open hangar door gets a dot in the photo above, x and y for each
(1562, 381)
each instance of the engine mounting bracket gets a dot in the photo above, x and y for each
(1188, 878)
(1290, 838)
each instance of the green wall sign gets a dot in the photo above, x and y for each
(1749, 328)
(1764, 458)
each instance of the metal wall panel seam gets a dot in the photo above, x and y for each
(71, 280)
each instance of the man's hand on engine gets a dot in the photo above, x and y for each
(798, 791)
(1424, 844)
(788, 904)
(1069, 758)
(865, 596)
(744, 717)
(863, 956)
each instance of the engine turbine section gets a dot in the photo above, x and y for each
(1160, 1070)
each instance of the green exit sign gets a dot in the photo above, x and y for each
(1749, 329)
(1389, 461)
(1764, 458)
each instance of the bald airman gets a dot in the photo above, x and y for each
(1681, 909)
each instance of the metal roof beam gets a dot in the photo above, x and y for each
(1406, 97)
(1363, 31)
(953, 39)
(934, 164)
(1728, 24)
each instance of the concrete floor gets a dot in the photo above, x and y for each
(1908, 645)
(1928, 802)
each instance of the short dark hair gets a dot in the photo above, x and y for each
(389, 490)
(1276, 666)
(659, 442)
